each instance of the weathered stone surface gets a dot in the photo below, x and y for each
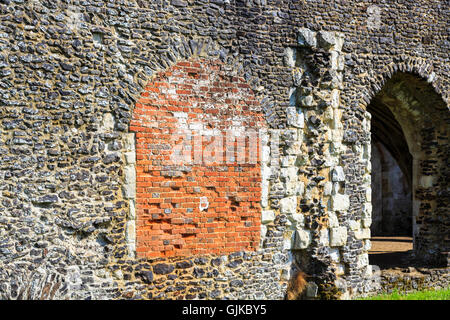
(147, 276)
(268, 216)
(337, 174)
(288, 205)
(70, 80)
(340, 202)
(302, 239)
(306, 37)
(338, 236)
(162, 268)
(363, 234)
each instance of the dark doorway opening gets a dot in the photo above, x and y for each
(409, 128)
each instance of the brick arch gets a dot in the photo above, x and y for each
(180, 48)
(204, 202)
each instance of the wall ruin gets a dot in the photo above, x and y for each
(74, 76)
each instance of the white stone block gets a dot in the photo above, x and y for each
(300, 120)
(340, 269)
(130, 157)
(129, 141)
(108, 122)
(338, 236)
(130, 232)
(302, 239)
(335, 254)
(267, 216)
(130, 175)
(368, 272)
(363, 234)
(311, 290)
(326, 39)
(335, 146)
(328, 114)
(367, 178)
(334, 60)
(337, 174)
(265, 173)
(369, 194)
(298, 219)
(335, 98)
(288, 161)
(306, 37)
(265, 195)
(339, 41)
(132, 208)
(327, 188)
(288, 205)
(336, 188)
(288, 240)
(362, 261)
(204, 203)
(337, 61)
(367, 245)
(295, 118)
(180, 115)
(337, 125)
(263, 233)
(290, 54)
(426, 181)
(265, 157)
(131, 250)
(295, 188)
(129, 191)
(366, 222)
(307, 101)
(300, 188)
(333, 221)
(354, 225)
(340, 202)
(289, 174)
(196, 126)
(324, 237)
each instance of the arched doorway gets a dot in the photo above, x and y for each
(409, 131)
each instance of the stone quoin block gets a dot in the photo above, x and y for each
(338, 236)
(302, 239)
(288, 205)
(340, 202)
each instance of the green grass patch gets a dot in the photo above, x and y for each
(443, 294)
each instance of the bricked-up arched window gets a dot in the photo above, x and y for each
(198, 181)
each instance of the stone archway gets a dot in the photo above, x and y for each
(410, 132)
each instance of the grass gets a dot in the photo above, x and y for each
(443, 294)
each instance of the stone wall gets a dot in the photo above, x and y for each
(72, 74)
(410, 279)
